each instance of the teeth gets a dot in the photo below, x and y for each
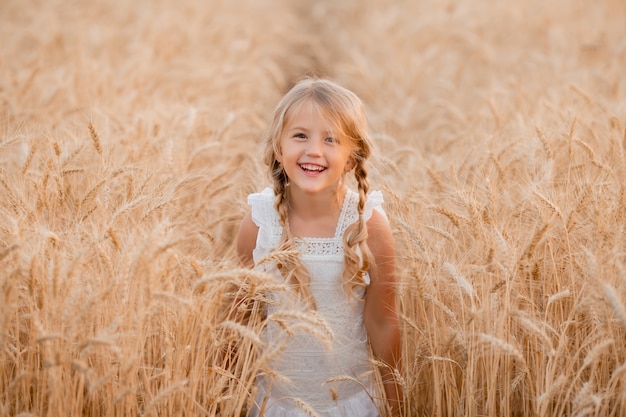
(312, 167)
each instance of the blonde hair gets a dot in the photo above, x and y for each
(346, 111)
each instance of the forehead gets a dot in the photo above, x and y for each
(310, 111)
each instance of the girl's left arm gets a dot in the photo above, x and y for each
(380, 313)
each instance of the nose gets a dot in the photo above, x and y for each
(314, 147)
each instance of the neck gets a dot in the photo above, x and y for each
(316, 204)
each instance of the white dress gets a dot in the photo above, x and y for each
(335, 381)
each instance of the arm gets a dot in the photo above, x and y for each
(246, 240)
(380, 315)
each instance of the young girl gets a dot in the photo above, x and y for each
(344, 267)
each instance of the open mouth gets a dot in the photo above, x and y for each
(312, 168)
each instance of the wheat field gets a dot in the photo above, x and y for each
(129, 140)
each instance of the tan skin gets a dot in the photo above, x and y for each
(380, 315)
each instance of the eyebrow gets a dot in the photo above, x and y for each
(303, 129)
(298, 128)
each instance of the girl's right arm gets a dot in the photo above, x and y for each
(246, 240)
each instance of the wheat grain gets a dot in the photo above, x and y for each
(453, 217)
(10, 140)
(310, 317)
(581, 398)
(503, 346)
(56, 148)
(6, 251)
(553, 389)
(310, 411)
(587, 148)
(443, 233)
(164, 393)
(555, 297)
(406, 319)
(617, 374)
(498, 286)
(242, 331)
(114, 238)
(587, 193)
(534, 329)
(436, 179)
(544, 143)
(95, 138)
(463, 283)
(29, 158)
(47, 337)
(66, 172)
(615, 302)
(442, 306)
(71, 157)
(436, 358)
(88, 213)
(596, 352)
(549, 204)
(537, 237)
(91, 194)
(226, 276)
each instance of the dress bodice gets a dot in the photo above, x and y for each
(323, 375)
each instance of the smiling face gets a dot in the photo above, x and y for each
(313, 153)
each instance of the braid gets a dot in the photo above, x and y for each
(355, 237)
(290, 267)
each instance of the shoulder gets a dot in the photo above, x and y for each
(379, 235)
(246, 239)
(380, 241)
(382, 265)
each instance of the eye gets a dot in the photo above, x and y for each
(299, 136)
(331, 139)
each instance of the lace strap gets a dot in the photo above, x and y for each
(374, 202)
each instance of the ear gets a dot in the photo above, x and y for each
(279, 156)
(349, 165)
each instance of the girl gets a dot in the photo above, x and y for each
(344, 262)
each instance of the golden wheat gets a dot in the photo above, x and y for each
(130, 140)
